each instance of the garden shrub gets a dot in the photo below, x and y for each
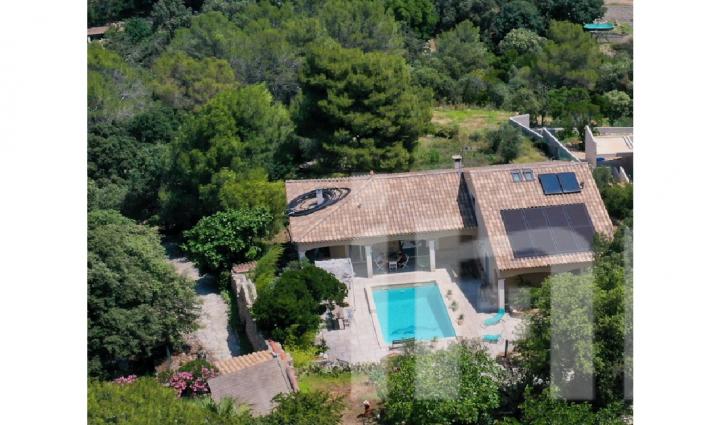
(267, 267)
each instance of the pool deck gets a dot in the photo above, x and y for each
(362, 341)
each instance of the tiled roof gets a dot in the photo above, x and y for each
(494, 190)
(384, 205)
(244, 267)
(255, 386)
(235, 364)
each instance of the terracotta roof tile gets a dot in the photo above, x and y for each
(494, 190)
(384, 205)
(235, 364)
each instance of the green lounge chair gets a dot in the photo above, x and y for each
(495, 319)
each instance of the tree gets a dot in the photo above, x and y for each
(361, 107)
(618, 198)
(137, 304)
(452, 12)
(116, 91)
(577, 11)
(505, 141)
(186, 83)
(521, 41)
(362, 24)
(210, 34)
(458, 384)
(516, 14)
(570, 58)
(169, 15)
(591, 319)
(311, 408)
(573, 108)
(457, 70)
(235, 132)
(616, 104)
(544, 409)
(228, 237)
(418, 15)
(290, 308)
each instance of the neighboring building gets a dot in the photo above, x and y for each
(255, 379)
(612, 147)
(97, 33)
(503, 224)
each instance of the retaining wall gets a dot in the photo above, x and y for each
(554, 147)
(246, 295)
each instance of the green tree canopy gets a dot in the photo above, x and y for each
(516, 14)
(522, 41)
(228, 237)
(137, 304)
(418, 15)
(235, 132)
(116, 91)
(301, 408)
(290, 308)
(361, 107)
(362, 24)
(457, 71)
(573, 108)
(570, 58)
(577, 11)
(616, 104)
(480, 12)
(455, 385)
(591, 318)
(186, 83)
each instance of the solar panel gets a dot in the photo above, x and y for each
(552, 230)
(550, 184)
(569, 182)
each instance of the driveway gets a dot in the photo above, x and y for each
(214, 334)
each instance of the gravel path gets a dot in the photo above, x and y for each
(214, 333)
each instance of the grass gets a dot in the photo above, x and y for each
(434, 152)
(469, 120)
(354, 387)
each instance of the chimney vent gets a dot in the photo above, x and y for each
(319, 196)
(457, 163)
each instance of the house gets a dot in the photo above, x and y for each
(255, 379)
(505, 224)
(612, 147)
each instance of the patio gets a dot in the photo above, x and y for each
(361, 341)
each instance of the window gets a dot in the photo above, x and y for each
(528, 175)
(516, 176)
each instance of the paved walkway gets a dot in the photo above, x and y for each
(214, 334)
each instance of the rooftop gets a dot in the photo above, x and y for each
(494, 190)
(384, 205)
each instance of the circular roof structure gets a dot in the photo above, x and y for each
(310, 202)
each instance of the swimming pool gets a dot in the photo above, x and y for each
(412, 311)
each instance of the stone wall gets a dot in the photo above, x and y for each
(246, 295)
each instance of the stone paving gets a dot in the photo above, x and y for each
(362, 342)
(214, 335)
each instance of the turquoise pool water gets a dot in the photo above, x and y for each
(412, 311)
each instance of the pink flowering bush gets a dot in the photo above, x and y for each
(125, 379)
(191, 383)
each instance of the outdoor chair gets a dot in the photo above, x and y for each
(404, 262)
(492, 338)
(495, 319)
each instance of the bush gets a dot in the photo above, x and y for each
(291, 307)
(228, 237)
(448, 131)
(267, 267)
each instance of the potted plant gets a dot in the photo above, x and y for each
(454, 306)
(460, 319)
